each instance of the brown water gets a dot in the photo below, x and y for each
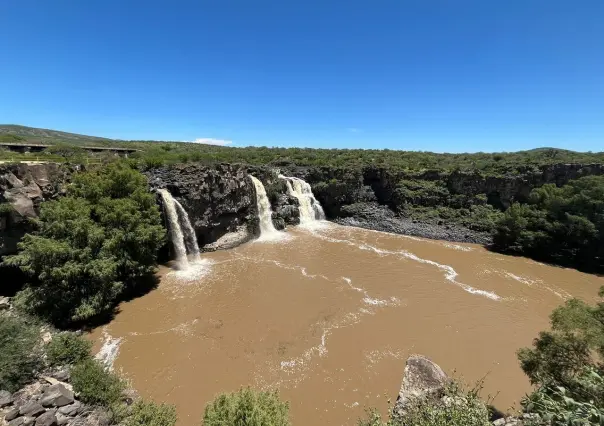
(329, 316)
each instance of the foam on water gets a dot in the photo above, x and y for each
(109, 351)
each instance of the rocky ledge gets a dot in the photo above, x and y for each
(378, 217)
(49, 402)
(424, 379)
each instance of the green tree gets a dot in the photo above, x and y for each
(90, 246)
(565, 364)
(563, 225)
(247, 408)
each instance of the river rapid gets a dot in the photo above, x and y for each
(328, 314)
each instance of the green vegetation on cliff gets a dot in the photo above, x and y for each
(91, 246)
(564, 225)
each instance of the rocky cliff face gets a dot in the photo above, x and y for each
(24, 187)
(221, 199)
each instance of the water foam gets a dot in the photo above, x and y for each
(109, 350)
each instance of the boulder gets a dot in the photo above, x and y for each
(422, 379)
(32, 409)
(71, 409)
(47, 419)
(16, 422)
(57, 396)
(62, 419)
(11, 415)
(28, 421)
(6, 398)
(4, 304)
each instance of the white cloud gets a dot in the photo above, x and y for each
(210, 141)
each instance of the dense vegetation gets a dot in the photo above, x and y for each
(566, 366)
(563, 225)
(91, 246)
(155, 153)
(20, 354)
(247, 408)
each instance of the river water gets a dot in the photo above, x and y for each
(328, 316)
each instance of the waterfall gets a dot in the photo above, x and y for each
(264, 210)
(189, 232)
(177, 220)
(310, 208)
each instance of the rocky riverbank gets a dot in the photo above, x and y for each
(381, 218)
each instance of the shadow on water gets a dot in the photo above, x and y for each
(594, 267)
(140, 288)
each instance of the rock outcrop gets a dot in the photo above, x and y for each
(221, 200)
(24, 187)
(425, 380)
(43, 403)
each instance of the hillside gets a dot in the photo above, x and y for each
(157, 153)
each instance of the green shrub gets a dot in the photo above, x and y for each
(68, 348)
(5, 209)
(456, 408)
(557, 406)
(247, 408)
(96, 385)
(151, 414)
(20, 353)
(90, 246)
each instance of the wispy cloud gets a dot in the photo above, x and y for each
(210, 141)
(353, 130)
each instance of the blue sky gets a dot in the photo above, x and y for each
(438, 75)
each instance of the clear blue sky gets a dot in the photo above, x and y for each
(439, 75)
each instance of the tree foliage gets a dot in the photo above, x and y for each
(563, 225)
(247, 408)
(20, 352)
(90, 246)
(565, 364)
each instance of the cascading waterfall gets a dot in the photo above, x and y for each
(310, 208)
(177, 220)
(189, 232)
(264, 210)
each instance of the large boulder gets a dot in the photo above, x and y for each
(422, 379)
(57, 396)
(6, 398)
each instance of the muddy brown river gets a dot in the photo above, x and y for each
(329, 315)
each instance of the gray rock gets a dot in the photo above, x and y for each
(499, 422)
(32, 409)
(16, 422)
(422, 378)
(28, 421)
(11, 415)
(4, 303)
(47, 419)
(6, 398)
(71, 409)
(62, 375)
(62, 419)
(57, 396)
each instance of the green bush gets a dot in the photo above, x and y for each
(96, 385)
(90, 246)
(5, 209)
(150, 414)
(67, 348)
(456, 408)
(20, 352)
(557, 406)
(247, 408)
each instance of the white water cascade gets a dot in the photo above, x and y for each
(265, 214)
(310, 208)
(182, 234)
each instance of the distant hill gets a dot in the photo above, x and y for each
(47, 136)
